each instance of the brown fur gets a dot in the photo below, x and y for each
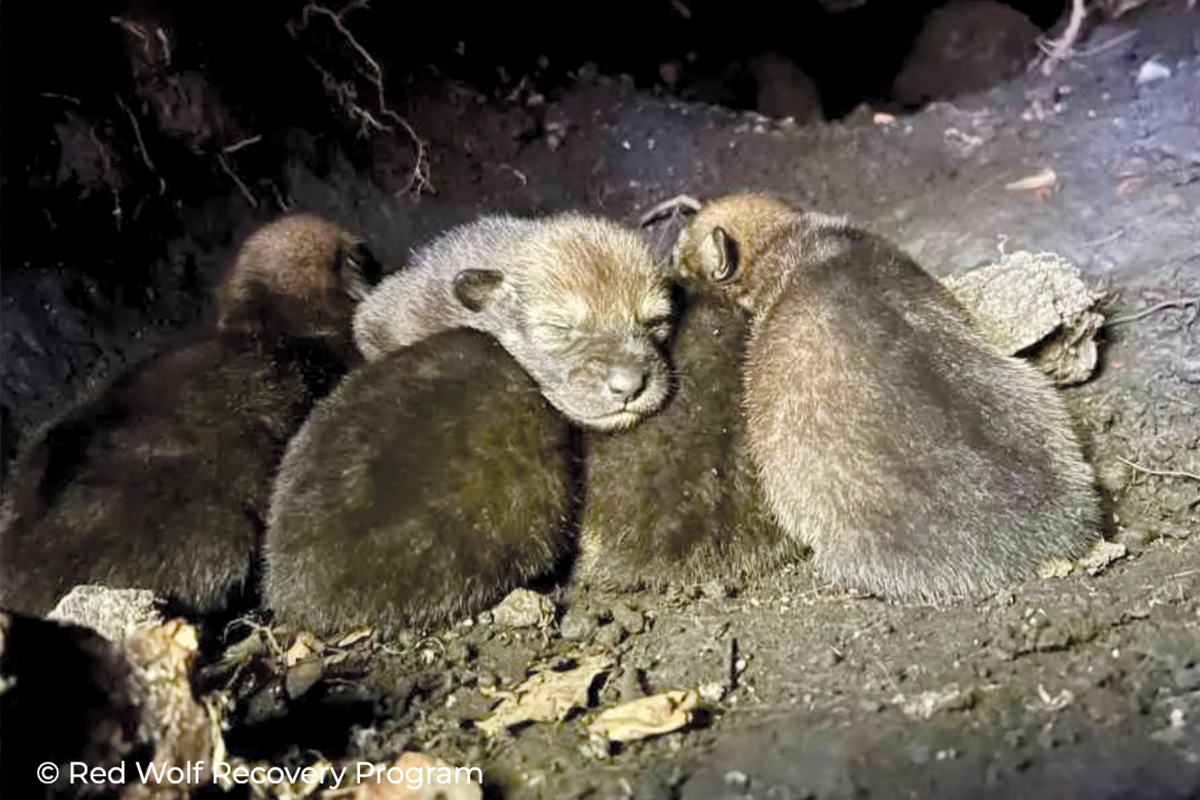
(161, 479)
(577, 300)
(299, 276)
(432, 481)
(888, 434)
(675, 501)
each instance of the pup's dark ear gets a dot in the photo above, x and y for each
(359, 257)
(678, 206)
(727, 255)
(474, 287)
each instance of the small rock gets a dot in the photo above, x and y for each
(830, 658)
(1056, 568)
(872, 705)
(736, 779)
(577, 623)
(626, 686)
(717, 589)
(949, 698)
(1152, 71)
(611, 635)
(1187, 680)
(1102, 555)
(1035, 304)
(113, 613)
(524, 609)
(712, 692)
(303, 676)
(458, 652)
(628, 618)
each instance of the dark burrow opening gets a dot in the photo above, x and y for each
(125, 117)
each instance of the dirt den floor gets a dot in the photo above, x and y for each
(1080, 686)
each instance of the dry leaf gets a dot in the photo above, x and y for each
(647, 716)
(1129, 186)
(1042, 181)
(434, 780)
(523, 608)
(354, 637)
(305, 645)
(183, 730)
(1056, 568)
(1102, 555)
(547, 696)
(113, 613)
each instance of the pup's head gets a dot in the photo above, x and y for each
(299, 276)
(585, 311)
(719, 249)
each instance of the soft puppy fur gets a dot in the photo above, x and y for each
(675, 501)
(431, 482)
(576, 299)
(888, 434)
(161, 479)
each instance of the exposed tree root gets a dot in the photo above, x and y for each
(346, 91)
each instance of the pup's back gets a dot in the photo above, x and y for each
(914, 458)
(888, 434)
(432, 481)
(161, 479)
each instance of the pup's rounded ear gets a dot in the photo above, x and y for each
(727, 255)
(357, 269)
(680, 204)
(474, 287)
(361, 259)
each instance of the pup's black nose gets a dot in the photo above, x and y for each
(625, 381)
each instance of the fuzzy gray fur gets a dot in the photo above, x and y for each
(675, 501)
(577, 300)
(890, 436)
(432, 481)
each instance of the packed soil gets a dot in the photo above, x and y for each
(1085, 685)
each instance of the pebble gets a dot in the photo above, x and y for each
(1152, 71)
(712, 692)
(628, 618)
(611, 635)
(524, 609)
(577, 624)
(736, 779)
